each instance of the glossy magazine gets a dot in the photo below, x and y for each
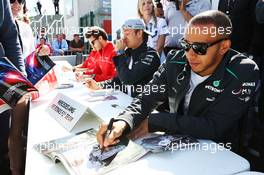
(13, 85)
(81, 155)
(37, 67)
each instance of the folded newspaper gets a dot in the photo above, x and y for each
(81, 154)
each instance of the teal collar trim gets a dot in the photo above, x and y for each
(232, 73)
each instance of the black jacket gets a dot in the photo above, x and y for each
(216, 105)
(242, 15)
(260, 11)
(135, 73)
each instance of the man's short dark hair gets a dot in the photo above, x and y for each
(43, 39)
(214, 17)
(96, 32)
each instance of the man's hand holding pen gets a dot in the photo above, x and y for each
(109, 133)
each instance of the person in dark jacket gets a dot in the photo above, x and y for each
(10, 48)
(135, 62)
(260, 11)
(208, 85)
(257, 50)
(242, 15)
(9, 43)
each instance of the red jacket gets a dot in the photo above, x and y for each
(101, 64)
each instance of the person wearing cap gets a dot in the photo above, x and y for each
(209, 87)
(99, 64)
(76, 45)
(135, 61)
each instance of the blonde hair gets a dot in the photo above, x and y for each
(139, 6)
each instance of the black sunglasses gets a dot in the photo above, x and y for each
(198, 48)
(19, 1)
(92, 42)
(94, 33)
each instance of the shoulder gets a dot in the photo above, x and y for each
(24, 26)
(161, 22)
(151, 56)
(200, 2)
(151, 52)
(241, 67)
(198, 6)
(176, 55)
(110, 45)
(110, 48)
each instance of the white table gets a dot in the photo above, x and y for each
(43, 127)
(70, 58)
(250, 173)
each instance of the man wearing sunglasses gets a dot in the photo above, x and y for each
(208, 85)
(99, 64)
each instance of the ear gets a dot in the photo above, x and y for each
(225, 46)
(100, 38)
(140, 34)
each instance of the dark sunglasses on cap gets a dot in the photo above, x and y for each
(94, 32)
(198, 48)
(19, 1)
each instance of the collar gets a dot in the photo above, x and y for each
(223, 66)
(135, 52)
(151, 21)
(220, 70)
(192, 2)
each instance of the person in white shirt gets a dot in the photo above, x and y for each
(177, 14)
(26, 37)
(156, 26)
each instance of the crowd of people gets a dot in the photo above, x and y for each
(59, 46)
(200, 68)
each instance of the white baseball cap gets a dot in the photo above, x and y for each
(136, 24)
